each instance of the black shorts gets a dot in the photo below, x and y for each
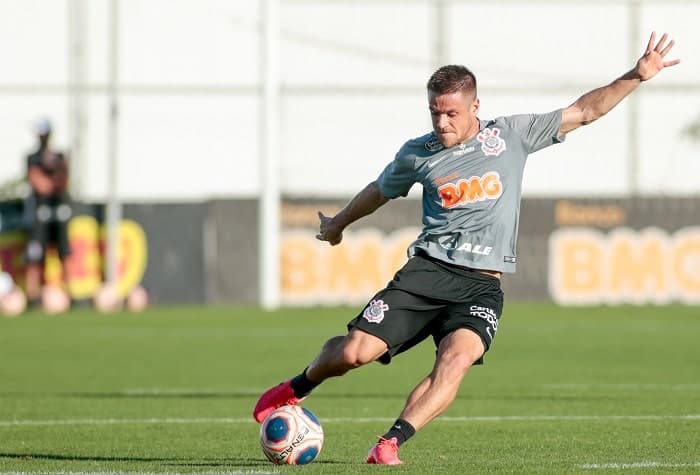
(50, 218)
(428, 297)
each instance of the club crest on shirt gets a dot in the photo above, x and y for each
(374, 312)
(491, 142)
(433, 145)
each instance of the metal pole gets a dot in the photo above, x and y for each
(439, 35)
(113, 210)
(76, 71)
(269, 202)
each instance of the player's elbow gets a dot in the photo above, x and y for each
(590, 115)
(577, 115)
(378, 197)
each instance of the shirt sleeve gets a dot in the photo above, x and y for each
(537, 130)
(398, 176)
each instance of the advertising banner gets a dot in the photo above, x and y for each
(574, 252)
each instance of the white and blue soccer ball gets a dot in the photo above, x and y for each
(291, 435)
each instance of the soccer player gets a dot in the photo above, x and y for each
(471, 171)
(50, 208)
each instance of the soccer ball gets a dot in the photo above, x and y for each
(12, 299)
(107, 299)
(291, 435)
(137, 300)
(54, 300)
(13, 303)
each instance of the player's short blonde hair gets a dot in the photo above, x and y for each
(452, 78)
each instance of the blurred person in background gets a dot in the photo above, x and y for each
(48, 208)
(471, 171)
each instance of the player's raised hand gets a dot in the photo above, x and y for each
(328, 230)
(652, 61)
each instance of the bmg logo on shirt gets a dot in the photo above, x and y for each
(471, 190)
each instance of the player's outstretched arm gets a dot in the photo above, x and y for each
(365, 202)
(598, 102)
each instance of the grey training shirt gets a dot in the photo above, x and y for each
(471, 192)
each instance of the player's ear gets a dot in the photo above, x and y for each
(475, 105)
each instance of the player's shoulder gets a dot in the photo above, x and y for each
(516, 121)
(509, 124)
(422, 146)
(503, 121)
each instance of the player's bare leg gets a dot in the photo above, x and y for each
(33, 278)
(343, 353)
(433, 395)
(338, 355)
(457, 353)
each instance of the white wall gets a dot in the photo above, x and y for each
(33, 51)
(353, 76)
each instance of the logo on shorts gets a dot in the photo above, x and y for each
(488, 315)
(374, 313)
(491, 143)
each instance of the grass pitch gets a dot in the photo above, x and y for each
(170, 391)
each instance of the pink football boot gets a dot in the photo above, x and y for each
(277, 396)
(385, 452)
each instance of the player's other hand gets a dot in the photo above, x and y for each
(653, 59)
(328, 230)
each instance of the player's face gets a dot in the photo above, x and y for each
(454, 116)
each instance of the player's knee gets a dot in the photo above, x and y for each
(462, 361)
(355, 354)
(352, 357)
(35, 252)
(461, 349)
(342, 355)
(458, 362)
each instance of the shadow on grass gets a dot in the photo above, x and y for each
(86, 458)
(246, 462)
(237, 462)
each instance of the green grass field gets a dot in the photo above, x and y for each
(587, 390)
